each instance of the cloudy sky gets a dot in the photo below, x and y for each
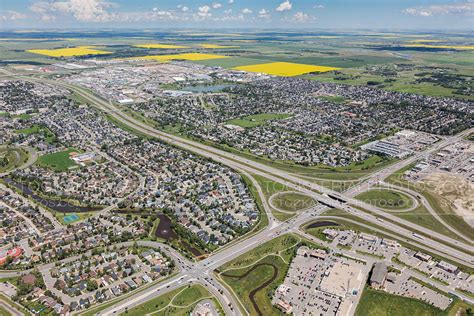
(388, 14)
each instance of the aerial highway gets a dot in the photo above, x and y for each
(271, 173)
(459, 251)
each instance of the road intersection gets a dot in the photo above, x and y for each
(201, 272)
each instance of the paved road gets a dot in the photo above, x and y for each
(253, 167)
(54, 221)
(32, 157)
(13, 311)
(195, 272)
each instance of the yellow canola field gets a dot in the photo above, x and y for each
(188, 56)
(471, 47)
(217, 46)
(164, 46)
(425, 41)
(69, 52)
(284, 69)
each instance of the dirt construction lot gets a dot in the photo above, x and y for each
(457, 191)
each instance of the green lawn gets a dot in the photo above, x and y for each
(334, 98)
(378, 303)
(59, 161)
(4, 312)
(269, 188)
(101, 307)
(49, 136)
(263, 220)
(342, 224)
(271, 247)
(293, 201)
(18, 307)
(257, 119)
(183, 299)
(270, 270)
(267, 263)
(387, 199)
(232, 62)
(20, 116)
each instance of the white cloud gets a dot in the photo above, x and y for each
(217, 5)
(182, 8)
(228, 11)
(300, 17)
(230, 1)
(12, 16)
(318, 6)
(284, 6)
(204, 11)
(101, 11)
(461, 8)
(157, 12)
(81, 10)
(264, 14)
(246, 11)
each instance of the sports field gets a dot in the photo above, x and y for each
(69, 52)
(59, 161)
(186, 56)
(284, 69)
(70, 218)
(257, 119)
(163, 46)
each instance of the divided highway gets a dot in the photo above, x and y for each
(201, 272)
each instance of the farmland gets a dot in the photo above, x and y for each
(185, 56)
(217, 46)
(285, 69)
(69, 52)
(357, 54)
(163, 46)
(455, 47)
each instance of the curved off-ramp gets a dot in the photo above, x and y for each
(430, 209)
(32, 157)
